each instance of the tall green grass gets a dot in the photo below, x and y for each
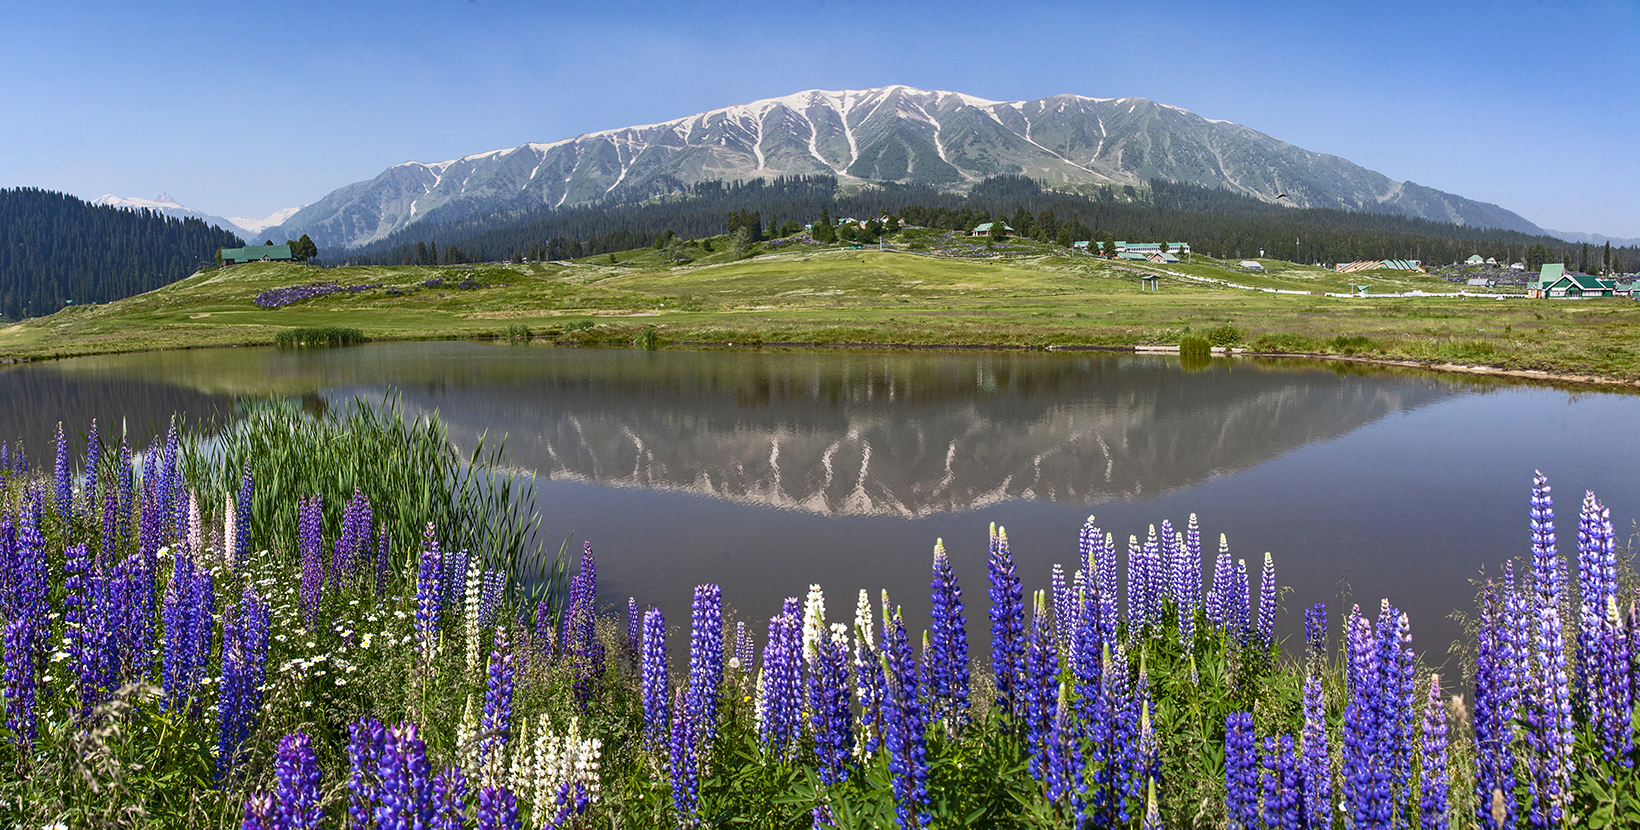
(407, 466)
(319, 336)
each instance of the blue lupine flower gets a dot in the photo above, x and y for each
(1007, 624)
(1494, 708)
(63, 478)
(1218, 595)
(1063, 613)
(189, 616)
(428, 599)
(656, 682)
(406, 794)
(1433, 785)
(779, 689)
(244, 670)
(1611, 706)
(1397, 694)
(1240, 772)
(1104, 581)
(1039, 688)
(905, 725)
(298, 772)
(685, 762)
(449, 800)
(1547, 713)
(1282, 786)
(1238, 606)
(869, 680)
(948, 637)
(1267, 603)
(242, 509)
(1366, 753)
(354, 541)
(497, 809)
(367, 740)
(384, 562)
(745, 649)
(310, 541)
(1063, 754)
(830, 716)
(93, 463)
(706, 658)
(496, 724)
(1315, 770)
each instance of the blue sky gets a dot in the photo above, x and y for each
(240, 109)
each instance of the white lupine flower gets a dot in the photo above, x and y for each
(474, 577)
(521, 761)
(230, 532)
(863, 627)
(467, 741)
(196, 530)
(814, 622)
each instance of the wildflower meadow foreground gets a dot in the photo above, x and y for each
(222, 636)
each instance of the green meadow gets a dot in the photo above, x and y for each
(1023, 295)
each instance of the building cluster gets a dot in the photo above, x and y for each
(1380, 265)
(1158, 252)
(1554, 282)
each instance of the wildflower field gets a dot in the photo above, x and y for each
(337, 622)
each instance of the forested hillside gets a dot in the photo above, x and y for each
(55, 249)
(1213, 221)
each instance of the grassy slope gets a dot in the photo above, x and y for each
(806, 294)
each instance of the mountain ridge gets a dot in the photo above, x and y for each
(889, 134)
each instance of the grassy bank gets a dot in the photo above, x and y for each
(1028, 297)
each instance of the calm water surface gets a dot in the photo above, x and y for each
(768, 472)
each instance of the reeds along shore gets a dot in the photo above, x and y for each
(165, 667)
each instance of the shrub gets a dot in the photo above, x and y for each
(1193, 346)
(648, 339)
(519, 331)
(1225, 335)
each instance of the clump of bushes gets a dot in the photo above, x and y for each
(519, 331)
(319, 336)
(1225, 335)
(1193, 346)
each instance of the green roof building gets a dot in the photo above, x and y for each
(257, 253)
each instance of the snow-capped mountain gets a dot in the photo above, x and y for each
(895, 133)
(167, 205)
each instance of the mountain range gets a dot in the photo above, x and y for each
(166, 205)
(892, 134)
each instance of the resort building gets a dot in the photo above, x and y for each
(1380, 265)
(984, 229)
(257, 253)
(1554, 282)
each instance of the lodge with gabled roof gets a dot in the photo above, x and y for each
(1554, 282)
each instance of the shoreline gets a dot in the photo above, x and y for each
(1537, 376)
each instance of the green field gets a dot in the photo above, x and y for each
(1031, 296)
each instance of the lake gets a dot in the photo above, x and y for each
(768, 471)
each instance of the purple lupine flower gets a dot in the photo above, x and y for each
(1397, 692)
(1282, 785)
(367, 740)
(25, 602)
(1611, 704)
(1219, 594)
(189, 616)
(830, 716)
(1365, 753)
(948, 636)
(1171, 559)
(779, 689)
(656, 682)
(634, 627)
(1112, 727)
(1063, 612)
(298, 772)
(23, 646)
(126, 493)
(1007, 624)
(1494, 708)
(1240, 772)
(1062, 756)
(492, 591)
(1267, 603)
(110, 520)
(1315, 634)
(80, 594)
(93, 463)
(706, 658)
(1187, 583)
(244, 670)
(1315, 769)
(1547, 713)
(242, 513)
(453, 580)
(905, 727)
(685, 762)
(353, 540)
(497, 809)
(406, 793)
(870, 682)
(1238, 606)
(310, 540)
(496, 724)
(579, 639)
(1156, 579)
(1104, 581)
(63, 478)
(449, 800)
(1039, 683)
(428, 599)
(1433, 785)
(261, 813)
